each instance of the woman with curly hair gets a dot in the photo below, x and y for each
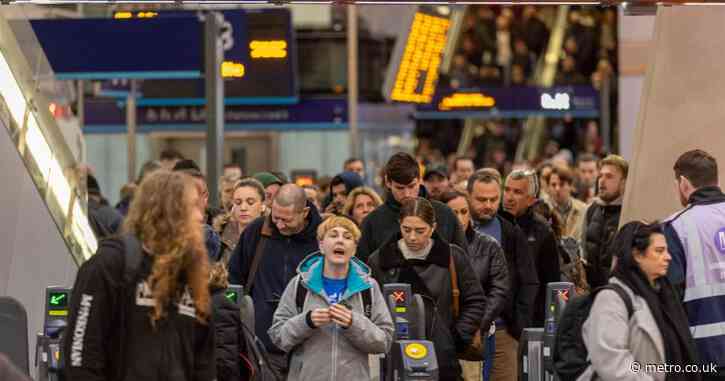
(360, 202)
(140, 307)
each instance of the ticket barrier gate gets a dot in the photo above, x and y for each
(411, 356)
(558, 295)
(48, 357)
(536, 347)
(235, 294)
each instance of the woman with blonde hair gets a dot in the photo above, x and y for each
(360, 202)
(140, 307)
(343, 316)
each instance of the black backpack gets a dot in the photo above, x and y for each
(255, 359)
(570, 353)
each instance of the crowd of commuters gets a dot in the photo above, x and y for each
(156, 280)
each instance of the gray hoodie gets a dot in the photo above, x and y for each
(331, 352)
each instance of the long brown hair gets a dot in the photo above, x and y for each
(162, 217)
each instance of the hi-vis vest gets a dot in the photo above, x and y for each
(701, 230)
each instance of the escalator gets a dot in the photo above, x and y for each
(45, 232)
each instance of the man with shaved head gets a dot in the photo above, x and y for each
(268, 254)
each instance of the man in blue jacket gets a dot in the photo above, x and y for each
(268, 254)
(696, 242)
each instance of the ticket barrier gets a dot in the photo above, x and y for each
(235, 294)
(411, 356)
(558, 295)
(531, 344)
(48, 359)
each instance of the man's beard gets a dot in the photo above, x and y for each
(482, 218)
(609, 198)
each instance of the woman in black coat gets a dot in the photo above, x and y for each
(227, 327)
(420, 257)
(489, 263)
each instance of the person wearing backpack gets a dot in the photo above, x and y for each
(434, 268)
(638, 318)
(140, 307)
(267, 254)
(227, 327)
(332, 315)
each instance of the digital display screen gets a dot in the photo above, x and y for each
(418, 58)
(58, 299)
(232, 296)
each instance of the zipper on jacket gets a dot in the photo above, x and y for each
(333, 373)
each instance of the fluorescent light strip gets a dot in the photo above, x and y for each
(83, 231)
(11, 92)
(38, 147)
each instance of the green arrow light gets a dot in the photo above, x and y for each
(57, 299)
(231, 295)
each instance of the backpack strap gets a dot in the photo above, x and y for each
(300, 296)
(132, 258)
(367, 297)
(455, 292)
(622, 294)
(258, 253)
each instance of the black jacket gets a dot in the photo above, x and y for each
(489, 264)
(383, 222)
(228, 337)
(110, 336)
(281, 256)
(543, 249)
(524, 280)
(431, 279)
(601, 223)
(104, 220)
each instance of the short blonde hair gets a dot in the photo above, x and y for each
(350, 202)
(338, 222)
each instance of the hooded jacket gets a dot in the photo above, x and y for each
(431, 279)
(351, 180)
(383, 222)
(600, 225)
(543, 249)
(489, 264)
(281, 256)
(331, 352)
(110, 334)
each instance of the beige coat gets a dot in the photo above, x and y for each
(575, 220)
(617, 345)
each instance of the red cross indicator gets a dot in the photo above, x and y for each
(564, 295)
(399, 296)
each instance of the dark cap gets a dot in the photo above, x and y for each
(435, 171)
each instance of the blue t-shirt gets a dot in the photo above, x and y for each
(334, 288)
(492, 228)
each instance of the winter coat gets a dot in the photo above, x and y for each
(112, 337)
(489, 264)
(524, 280)
(227, 334)
(383, 222)
(600, 225)
(331, 352)
(8, 371)
(543, 249)
(614, 341)
(104, 220)
(572, 225)
(281, 256)
(431, 279)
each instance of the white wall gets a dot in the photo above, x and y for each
(34, 254)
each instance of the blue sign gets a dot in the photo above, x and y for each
(260, 52)
(512, 102)
(108, 116)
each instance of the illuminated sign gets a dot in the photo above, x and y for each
(58, 299)
(416, 75)
(399, 296)
(466, 100)
(232, 296)
(268, 49)
(129, 15)
(416, 351)
(231, 69)
(560, 101)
